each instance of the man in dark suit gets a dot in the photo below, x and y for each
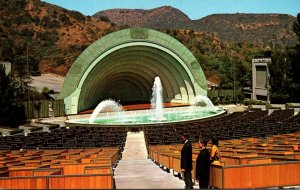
(203, 165)
(186, 161)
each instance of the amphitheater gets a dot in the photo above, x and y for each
(259, 150)
(259, 147)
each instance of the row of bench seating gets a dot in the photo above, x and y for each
(245, 163)
(62, 138)
(58, 169)
(236, 125)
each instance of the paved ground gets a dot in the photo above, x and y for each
(234, 108)
(55, 120)
(51, 81)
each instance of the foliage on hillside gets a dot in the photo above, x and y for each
(49, 35)
(269, 29)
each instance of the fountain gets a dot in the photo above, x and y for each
(201, 100)
(105, 106)
(157, 101)
(115, 115)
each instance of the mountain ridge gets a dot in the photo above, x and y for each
(151, 18)
(269, 28)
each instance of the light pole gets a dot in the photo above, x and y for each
(27, 68)
(234, 81)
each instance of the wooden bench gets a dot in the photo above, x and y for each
(176, 163)
(166, 158)
(46, 171)
(77, 168)
(83, 181)
(23, 170)
(277, 174)
(98, 170)
(28, 182)
(259, 160)
(53, 181)
(237, 159)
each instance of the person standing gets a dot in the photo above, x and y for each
(186, 161)
(214, 154)
(203, 165)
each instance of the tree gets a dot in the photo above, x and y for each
(6, 49)
(296, 27)
(293, 57)
(22, 78)
(234, 74)
(5, 87)
(294, 54)
(280, 77)
(226, 72)
(284, 71)
(11, 113)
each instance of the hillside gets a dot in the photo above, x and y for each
(270, 29)
(53, 36)
(267, 28)
(162, 17)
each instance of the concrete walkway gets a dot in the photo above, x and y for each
(135, 171)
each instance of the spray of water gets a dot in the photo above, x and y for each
(105, 106)
(157, 100)
(205, 101)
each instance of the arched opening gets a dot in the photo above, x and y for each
(125, 71)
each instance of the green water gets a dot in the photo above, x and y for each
(138, 118)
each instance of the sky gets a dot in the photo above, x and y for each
(195, 9)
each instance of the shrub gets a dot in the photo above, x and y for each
(27, 33)
(65, 19)
(77, 15)
(36, 20)
(59, 61)
(89, 18)
(49, 36)
(104, 18)
(48, 23)
(91, 31)
(253, 102)
(23, 19)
